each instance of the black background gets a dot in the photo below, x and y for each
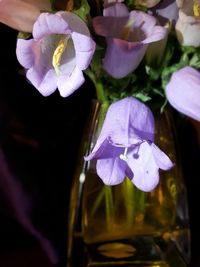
(40, 137)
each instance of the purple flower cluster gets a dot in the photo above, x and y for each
(62, 48)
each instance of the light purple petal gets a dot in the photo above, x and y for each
(24, 52)
(116, 10)
(46, 84)
(49, 83)
(112, 170)
(121, 58)
(67, 85)
(183, 92)
(144, 168)
(50, 24)
(84, 48)
(158, 34)
(143, 23)
(161, 159)
(75, 23)
(109, 26)
(166, 10)
(127, 123)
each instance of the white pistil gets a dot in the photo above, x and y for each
(124, 156)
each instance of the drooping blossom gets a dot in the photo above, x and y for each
(188, 23)
(125, 146)
(60, 49)
(183, 92)
(127, 36)
(21, 14)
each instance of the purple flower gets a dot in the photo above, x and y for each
(125, 146)
(166, 10)
(183, 92)
(188, 23)
(60, 49)
(127, 36)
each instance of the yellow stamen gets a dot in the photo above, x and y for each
(57, 55)
(127, 29)
(196, 8)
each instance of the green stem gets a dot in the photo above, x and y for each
(100, 92)
(109, 204)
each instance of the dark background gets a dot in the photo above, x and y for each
(39, 141)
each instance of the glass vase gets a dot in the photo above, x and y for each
(121, 225)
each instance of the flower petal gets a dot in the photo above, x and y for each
(67, 85)
(84, 48)
(161, 159)
(144, 167)
(103, 149)
(50, 24)
(116, 56)
(112, 170)
(102, 26)
(46, 84)
(158, 34)
(75, 23)
(116, 10)
(24, 52)
(183, 92)
(128, 121)
(188, 29)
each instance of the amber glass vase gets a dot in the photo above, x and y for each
(121, 225)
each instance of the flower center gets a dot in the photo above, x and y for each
(124, 156)
(57, 55)
(127, 29)
(196, 9)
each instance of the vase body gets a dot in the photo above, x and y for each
(121, 225)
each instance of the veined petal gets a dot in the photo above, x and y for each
(45, 84)
(102, 26)
(48, 24)
(188, 29)
(75, 23)
(118, 52)
(183, 92)
(67, 85)
(24, 52)
(111, 170)
(84, 48)
(128, 122)
(161, 159)
(158, 34)
(49, 83)
(166, 11)
(144, 168)
(116, 10)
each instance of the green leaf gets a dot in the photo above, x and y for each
(142, 97)
(23, 35)
(84, 11)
